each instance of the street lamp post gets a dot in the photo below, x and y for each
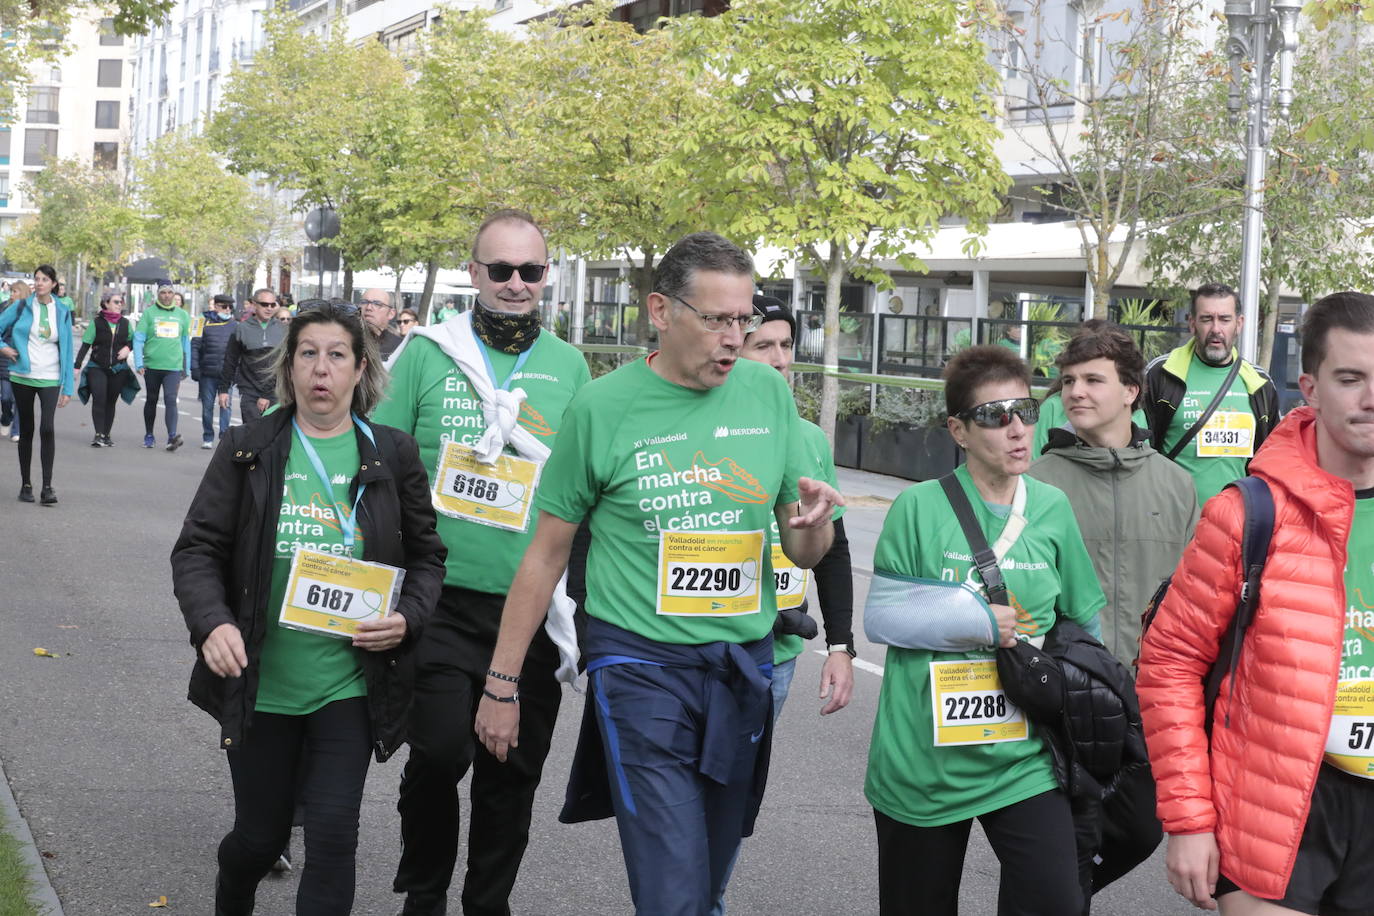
(1252, 47)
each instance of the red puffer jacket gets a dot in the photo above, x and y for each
(1273, 716)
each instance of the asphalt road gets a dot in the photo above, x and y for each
(128, 795)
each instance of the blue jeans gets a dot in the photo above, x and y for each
(209, 391)
(8, 414)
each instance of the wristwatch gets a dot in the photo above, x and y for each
(846, 647)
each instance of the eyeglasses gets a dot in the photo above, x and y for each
(407, 321)
(266, 305)
(377, 302)
(500, 272)
(996, 414)
(717, 324)
(340, 308)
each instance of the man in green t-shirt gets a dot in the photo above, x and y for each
(484, 395)
(681, 462)
(1269, 812)
(162, 355)
(1182, 384)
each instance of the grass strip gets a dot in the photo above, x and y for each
(15, 887)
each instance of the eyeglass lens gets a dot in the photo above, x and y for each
(500, 272)
(996, 414)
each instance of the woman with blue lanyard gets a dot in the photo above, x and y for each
(36, 336)
(306, 568)
(948, 746)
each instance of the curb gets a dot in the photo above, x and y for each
(44, 897)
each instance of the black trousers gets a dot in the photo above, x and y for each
(451, 663)
(24, 396)
(919, 868)
(106, 385)
(321, 760)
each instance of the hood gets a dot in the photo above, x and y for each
(1288, 461)
(1066, 445)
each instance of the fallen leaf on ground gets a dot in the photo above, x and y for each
(160, 901)
(44, 653)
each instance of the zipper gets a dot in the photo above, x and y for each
(1116, 553)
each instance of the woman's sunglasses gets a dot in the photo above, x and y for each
(996, 414)
(339, 307)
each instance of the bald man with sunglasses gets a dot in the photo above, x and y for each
(484, 394)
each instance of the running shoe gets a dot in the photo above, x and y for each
(14, 438)
(48, 497)
(283, 863)
(174, 443)
(149, 441)
(208, 443)
(107, 441)
(26, 493)
(96, 443)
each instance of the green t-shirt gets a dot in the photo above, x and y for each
(819, 464)
(1048, 572)
(1350, 744)
(1210, 474)
(429, 397)
(167, 336)
(302, 672)
(680, 485)
(1052, 416)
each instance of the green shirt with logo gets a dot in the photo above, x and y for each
(680, 485)
(302, 672)
(1350, 745)
(1048, 573)
(818, 459)
(430, 398)
(167, 338)
(1210, 474)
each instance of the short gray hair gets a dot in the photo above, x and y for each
(370, 388)
(699, 251)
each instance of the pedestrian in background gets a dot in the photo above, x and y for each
(9, 418)
(207, 363)
(162, 355)
(247, 358)
(109, 340)
(36, 335)
(300, 712)
(406, 321)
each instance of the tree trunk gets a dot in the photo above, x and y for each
(1270, 310)
(643, 285)
(1102, 294)
(431, 272)
(396, 293)
(830, 385)
(348, 282)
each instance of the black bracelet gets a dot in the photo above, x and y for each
(513, 698)
(508, 678)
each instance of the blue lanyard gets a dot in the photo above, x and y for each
(491, 372)
(346, 525)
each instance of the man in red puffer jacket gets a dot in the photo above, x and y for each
(1279, 817)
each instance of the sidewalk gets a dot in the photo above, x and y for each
(856, 484)
(44, 897)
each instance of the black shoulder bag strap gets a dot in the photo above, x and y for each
(1192, 431)
(1256, 534)
(983, 557)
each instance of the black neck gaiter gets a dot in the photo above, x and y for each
(505, 331)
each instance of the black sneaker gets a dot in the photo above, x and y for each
(48, 497)
(98, 441)
(26, 493)
(283, 863)
(425, 905)
(107, 441)
(174, 443)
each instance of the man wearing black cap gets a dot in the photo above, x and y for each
(209, 340)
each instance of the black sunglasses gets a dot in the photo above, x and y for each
(500, 271)
(265, 304)
(996, 414)
(341, 308)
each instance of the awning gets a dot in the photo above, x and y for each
(147, 270)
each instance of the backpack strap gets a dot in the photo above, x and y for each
(983, 556)
(1217, 398)
(1256, 534)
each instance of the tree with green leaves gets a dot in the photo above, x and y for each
(86, 223)
(848, 129)
(198, 216)
(1318, 195)
(314, 115)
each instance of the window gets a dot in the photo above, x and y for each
(200, 40)
(4, 190)
(1012, 57)
(110, 74)
(195, 102)
(105, 156)
(107, 33)
(185, 33)
(181, 106)
(5, 147)
(39, 146)
(1090, 54)
(43, 105)
(107, 115)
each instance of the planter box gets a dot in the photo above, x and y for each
(849, 432)
(914, 453)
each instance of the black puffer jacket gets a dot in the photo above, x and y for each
(1100, 759)
(222, 564)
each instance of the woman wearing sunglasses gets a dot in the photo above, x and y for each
(109, 339)
(407, 321)
(947, 745)
(287, 573)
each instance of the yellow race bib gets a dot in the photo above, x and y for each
(709, 573)
(970, 706)
(1350, 742)
(1228, 434)
(499, 494)
(789, 580)
(332, 594)
(167, 329)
